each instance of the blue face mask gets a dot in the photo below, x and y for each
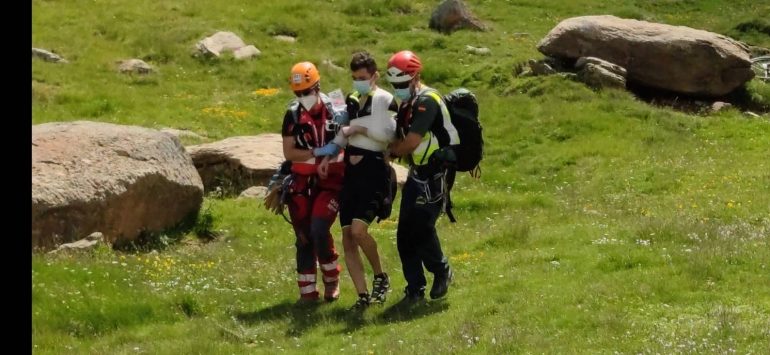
(362, 86)
(402, 94)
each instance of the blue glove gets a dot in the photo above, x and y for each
(329, 149)
(341, 117)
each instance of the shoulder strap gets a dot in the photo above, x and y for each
(453, 137)
(294, 109)
(435, 96)
(427, 91)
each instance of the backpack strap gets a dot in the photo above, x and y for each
(451, 130)
(450, 181)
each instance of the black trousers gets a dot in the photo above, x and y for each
(422, 201)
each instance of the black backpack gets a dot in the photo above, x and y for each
(464, 113)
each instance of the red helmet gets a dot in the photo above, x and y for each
(403, 66)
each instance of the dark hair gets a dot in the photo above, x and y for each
(363, 60)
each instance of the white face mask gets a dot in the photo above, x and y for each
(308, 101)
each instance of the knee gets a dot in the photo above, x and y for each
(348, 243)
(359, 233)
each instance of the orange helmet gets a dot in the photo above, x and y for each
(304, 75)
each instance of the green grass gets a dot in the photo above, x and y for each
(601, 224)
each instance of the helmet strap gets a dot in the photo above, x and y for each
(414, 86)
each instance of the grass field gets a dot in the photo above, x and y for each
(600, 224)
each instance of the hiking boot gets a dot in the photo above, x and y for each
(362, 302)
(308, 299)
(412, 296)
(441, 283)
(331, 291)
(380, 287)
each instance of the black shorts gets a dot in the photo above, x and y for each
(365, 186)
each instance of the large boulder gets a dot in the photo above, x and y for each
(118, 180)
(452, 15)
(673, 58)
(237, 163)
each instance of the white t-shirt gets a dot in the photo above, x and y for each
(380, 125)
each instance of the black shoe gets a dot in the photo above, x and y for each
(362, 302)
(441, 284)
(380, 287)
(412, 296)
